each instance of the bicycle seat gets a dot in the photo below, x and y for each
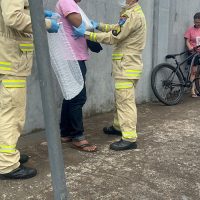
(171, 56)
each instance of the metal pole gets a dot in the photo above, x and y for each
(48, 101)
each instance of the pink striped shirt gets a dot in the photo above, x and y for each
(79, 46)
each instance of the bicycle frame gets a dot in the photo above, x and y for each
(186, 79)
(169, 80)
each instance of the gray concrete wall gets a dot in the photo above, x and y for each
(167, 21)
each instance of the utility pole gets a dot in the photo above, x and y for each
(48, 100)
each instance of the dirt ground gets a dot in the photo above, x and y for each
(165, 166)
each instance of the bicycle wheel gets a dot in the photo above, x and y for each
(197, 79)
(167, 84)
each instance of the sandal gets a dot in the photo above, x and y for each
(194, 95)
(83, 147)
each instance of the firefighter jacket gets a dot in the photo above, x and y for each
(128, 38)
(16, 38)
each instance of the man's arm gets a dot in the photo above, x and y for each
(118, 34)
(187, 41)
(106, 27)
(74, 19)
(14, 16)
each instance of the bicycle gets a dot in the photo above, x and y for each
(168, 81)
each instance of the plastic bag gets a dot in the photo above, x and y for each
(65, 65)
(86, 20)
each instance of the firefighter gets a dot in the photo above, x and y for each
(16, 55)
(128, 37)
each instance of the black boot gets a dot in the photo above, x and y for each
(20, 173)
(123, 145)
(111, 131)
(23, 158)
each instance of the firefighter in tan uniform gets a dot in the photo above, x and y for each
(16, 55)
(128, 38)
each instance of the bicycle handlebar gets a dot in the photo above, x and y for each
(180, 54)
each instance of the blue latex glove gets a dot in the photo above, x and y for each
(95, 24)
(48, 13)
(55, 16)
(54, 26)
(80, 31)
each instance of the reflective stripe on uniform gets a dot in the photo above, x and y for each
(133, 73)
(117, 56)
(6, 66)
(138, 9)
(14, 83)
(123, 85)
(106, 27)
(26, 47)
(93, 37)
(7, 148)
(129, 135)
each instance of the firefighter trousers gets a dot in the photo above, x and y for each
(125, 117)
(12, 118)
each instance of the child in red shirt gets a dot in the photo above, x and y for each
(192, 38)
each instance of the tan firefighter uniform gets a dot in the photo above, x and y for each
(128, 38)
(16, 55)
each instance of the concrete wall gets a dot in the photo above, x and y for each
(166, 21)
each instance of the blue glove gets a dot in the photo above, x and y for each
(95, 24)
(54, 26)
(80, 31)
(55, 16)
(48, 13)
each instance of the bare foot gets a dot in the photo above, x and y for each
(84, 145)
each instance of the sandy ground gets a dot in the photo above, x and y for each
(165, 166)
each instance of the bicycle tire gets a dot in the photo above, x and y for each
(169, 81)
(197, 79)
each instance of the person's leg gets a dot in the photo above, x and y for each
(65, 127)
(75, 117)
(75, 106)
(115, 128)
(71, 123)
(12, 118)
(9, 134)
(192, 77)
(126, 112)
(116, 121)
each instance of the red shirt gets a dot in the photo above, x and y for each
(193, 34)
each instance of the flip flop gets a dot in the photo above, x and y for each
(194, 95)
(82, 146)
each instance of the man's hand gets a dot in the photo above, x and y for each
(80, 31)
(95, 24)
(54, 26)
(48, 13)
(197, 48)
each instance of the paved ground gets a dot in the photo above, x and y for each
(166, 165)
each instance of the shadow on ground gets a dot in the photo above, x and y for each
(165, 166)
